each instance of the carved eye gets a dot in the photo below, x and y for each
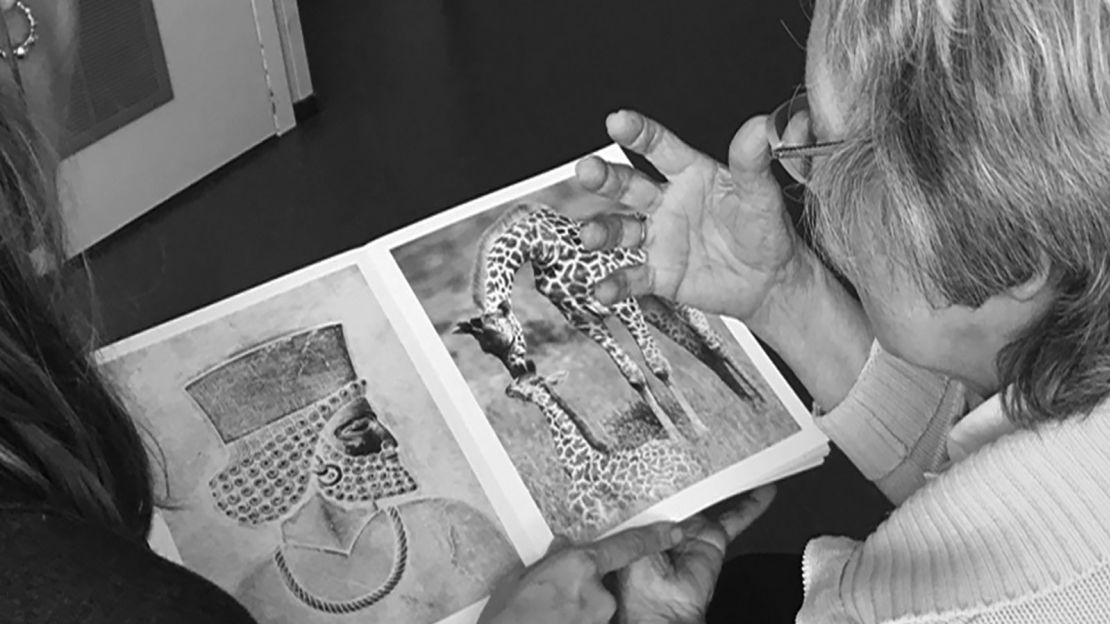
(354, 427)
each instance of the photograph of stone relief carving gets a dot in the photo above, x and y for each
(603, 411)
(311, 473)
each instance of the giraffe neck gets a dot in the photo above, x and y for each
(503, 257)
(570, 444)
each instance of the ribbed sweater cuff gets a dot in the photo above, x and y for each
(885, 413)
(823, 566)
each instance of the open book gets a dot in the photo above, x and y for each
(347, 442)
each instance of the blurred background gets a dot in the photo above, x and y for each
(213, 145)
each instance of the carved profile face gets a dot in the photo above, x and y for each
(357, 459)
(358, 431)
(338, 446)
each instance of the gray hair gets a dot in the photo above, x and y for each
(978, 156)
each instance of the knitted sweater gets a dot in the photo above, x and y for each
(993, 524)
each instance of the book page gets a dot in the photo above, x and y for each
(330, 449)
(597, 438)
(305, 467)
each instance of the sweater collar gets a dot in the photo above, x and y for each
(981, 426)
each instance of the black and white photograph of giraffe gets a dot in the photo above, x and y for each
(603, 411)
(310, 472)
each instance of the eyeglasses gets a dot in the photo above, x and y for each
(796, 159)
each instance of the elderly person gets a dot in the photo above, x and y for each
(956, 157)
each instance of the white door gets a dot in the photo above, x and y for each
(162, 93)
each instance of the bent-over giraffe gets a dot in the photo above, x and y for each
(689, 328)
(603, 484)
(565, 272)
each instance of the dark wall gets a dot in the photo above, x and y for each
(426, 104)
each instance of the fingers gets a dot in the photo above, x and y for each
(618, 182)
(749, 153)
(619, 550)
(613, 229)
(650, 139)
(797, 130)
(703, 533)
(559, 542)
(600, 604)
(705, 548)
(740, 517)
(621, 284)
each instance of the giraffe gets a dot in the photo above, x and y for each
(565, 273)
(689, 328)
(604, 484)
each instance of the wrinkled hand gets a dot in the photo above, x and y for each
(565, 586)
(676, 586)
(719, 238)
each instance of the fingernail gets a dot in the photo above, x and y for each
(677, 535)
(612, 119)
(605, 293)
(692, 525)
(591, 234)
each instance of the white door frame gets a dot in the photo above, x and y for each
(270, 40)
(116, 179)
(293, 49)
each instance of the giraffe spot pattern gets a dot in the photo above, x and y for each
(566, 274)
(606, 484)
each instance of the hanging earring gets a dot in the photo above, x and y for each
(32, 36)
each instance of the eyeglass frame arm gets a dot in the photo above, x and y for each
(804, 151)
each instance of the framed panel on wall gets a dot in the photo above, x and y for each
(144, 97)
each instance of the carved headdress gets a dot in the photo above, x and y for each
(271, 404)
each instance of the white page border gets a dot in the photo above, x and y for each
(805, 448)
(496, 474)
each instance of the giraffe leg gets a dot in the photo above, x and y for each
(629, 313)
(596, 330)
(697, 322)
(702, 342)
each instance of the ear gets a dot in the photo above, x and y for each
(1039, 283)
(471, 326)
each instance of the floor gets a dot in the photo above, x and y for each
(426, 104)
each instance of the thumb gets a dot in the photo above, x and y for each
(749, 157)
(558, 542)
(738, 517)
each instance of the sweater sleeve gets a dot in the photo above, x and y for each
(1014, 533)
(893, 422)
(54, 568)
